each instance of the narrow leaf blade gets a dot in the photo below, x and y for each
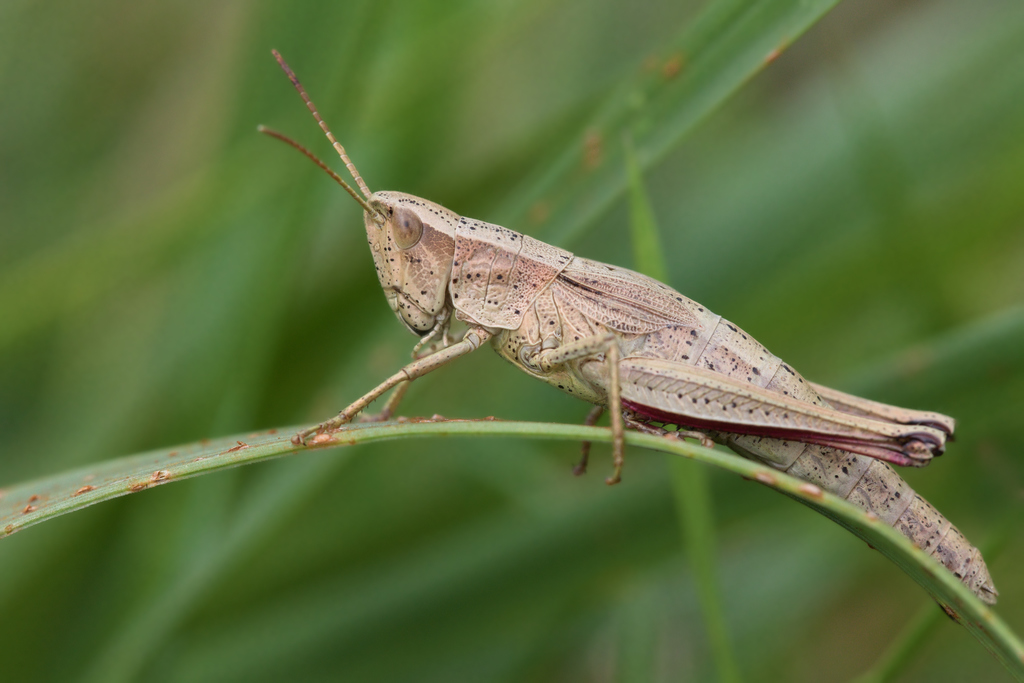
(58, 495)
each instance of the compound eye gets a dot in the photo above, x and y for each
(408, 229)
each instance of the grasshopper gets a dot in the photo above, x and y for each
(635, 347)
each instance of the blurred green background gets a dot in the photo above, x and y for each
(166, 274)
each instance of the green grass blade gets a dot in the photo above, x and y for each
(714, 56)
(689, 481)
(643, 228)
(37, 501)
(918, 631)
(693, 502)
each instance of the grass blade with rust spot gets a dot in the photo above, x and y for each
(37, 501)
(715, 55)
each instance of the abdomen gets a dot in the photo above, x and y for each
(870, 484)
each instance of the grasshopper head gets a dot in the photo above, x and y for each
(412, 240)
(413, 246)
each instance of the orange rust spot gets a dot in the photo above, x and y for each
(28, 508)
(319, 439)
(671, 68)
(765, 478)
(240, 446)
(593, 149)
(160, 475)
(871, 516)
(271, 431)
(9, 529)
(539, 212)
(135, 488)
(204, 441)
(811, 490)
(772, 56)
(33, 498)
(172, 454)
(84, 489)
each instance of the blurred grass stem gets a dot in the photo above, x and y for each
(689, 481)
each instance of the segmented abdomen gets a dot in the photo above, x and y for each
(870, 484)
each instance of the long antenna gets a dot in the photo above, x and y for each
(348, 188)
(327, 131)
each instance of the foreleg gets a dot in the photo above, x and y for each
(471, 342)
(391, 407)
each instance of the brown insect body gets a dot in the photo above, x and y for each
(533, 297)
(619, 339)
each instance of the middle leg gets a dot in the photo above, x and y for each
(548, 359)
(592, 417)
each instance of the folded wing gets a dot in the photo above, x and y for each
(621, 299)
